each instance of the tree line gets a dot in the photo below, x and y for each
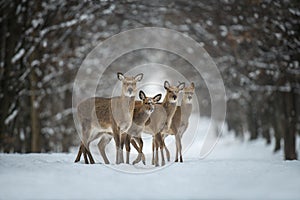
(255, 44)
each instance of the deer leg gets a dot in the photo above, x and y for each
(156, 152)
(156, 156)
(153, 149)
(141, 150)
(161, 145)
(85, 156)
(177, 147)
(123, 140)
(137, 148)
(167, 153)
(86, 129)
(138, 159)
(127, 145)
(90, 157)
(166, 149)
(88, 152)
(118, 150)
(122, 143)
(101, 146)
(141, 155)
(180, 150)
(79, 153)
(181, 131)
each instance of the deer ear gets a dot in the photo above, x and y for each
(139, 77)
(157, 98)
(120, 76)
(142, 95)
(181, 86)
(166, 85)
(193, 85)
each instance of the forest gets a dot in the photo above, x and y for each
(254, 43)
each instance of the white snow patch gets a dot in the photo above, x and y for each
(224, 30)
(294, 11)
(36, 22)
(11, 117)
(18, 55)
(35, 63)
(109, 10)
(278, 35)
(234, 170)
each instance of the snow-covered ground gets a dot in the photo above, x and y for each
(234, 170)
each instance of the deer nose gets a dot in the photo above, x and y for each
(151, 109)
(174, 97)
(189, 97)
(130, 90)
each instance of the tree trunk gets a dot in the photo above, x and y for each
(253, 125)
(290, 127)
(278, 119)
(277, 133)
(35, 132)
(8, 44)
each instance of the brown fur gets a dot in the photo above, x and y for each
(161, 120)
(109, 116)
(141, 114)
(180, 119)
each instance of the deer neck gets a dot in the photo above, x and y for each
(170, 110)
(186, 110)
(169, 107)
(140, 116)
(128, 103)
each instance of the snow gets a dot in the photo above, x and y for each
(224, 30)
(109, 10)
(234, 170)
(294, 11)
(11, 117)
(18, 55)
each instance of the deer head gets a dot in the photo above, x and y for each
(173, 91)
(149, 102)
(129, 84)
(188, 93)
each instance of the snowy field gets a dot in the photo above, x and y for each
(234, 170)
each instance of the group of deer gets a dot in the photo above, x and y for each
(125, 119)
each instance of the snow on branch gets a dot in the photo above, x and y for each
(270, 88)
(62, 25)
(42, 34)
(65, 24)
(63, 114)
(17, 56)
(11, 117)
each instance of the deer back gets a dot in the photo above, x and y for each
(97, 110)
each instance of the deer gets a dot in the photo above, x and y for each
(160, 120)
(141, 114)
(180, 120)
(107, 118)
